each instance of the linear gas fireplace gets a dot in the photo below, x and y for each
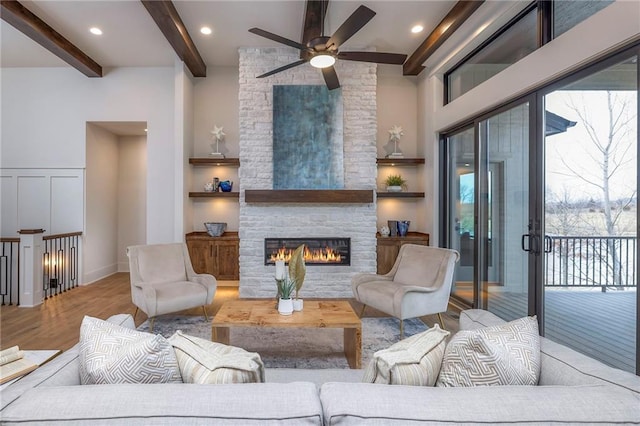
(318, 251)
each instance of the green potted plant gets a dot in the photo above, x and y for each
(395, 183)
(286, 286)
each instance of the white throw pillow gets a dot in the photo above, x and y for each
(413, 361)
(204, 362)
(507, 354)
(112, 354)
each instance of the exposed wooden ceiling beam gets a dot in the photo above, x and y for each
(36, 29)
(315, 13)
(456, 17)
(166, 16)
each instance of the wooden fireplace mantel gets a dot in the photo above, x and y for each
(324, 196)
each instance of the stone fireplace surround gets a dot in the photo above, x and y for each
(292, 220)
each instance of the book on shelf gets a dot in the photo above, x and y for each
(13, 364)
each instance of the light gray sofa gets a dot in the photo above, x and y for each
(573, 389)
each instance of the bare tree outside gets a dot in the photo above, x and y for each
(593, 191)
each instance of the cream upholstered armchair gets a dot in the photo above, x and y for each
(163, 280)
(418, 284)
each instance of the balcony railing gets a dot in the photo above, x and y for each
(581, 261)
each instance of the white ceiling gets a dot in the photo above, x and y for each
(132, 39)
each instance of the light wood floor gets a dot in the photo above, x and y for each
(55, 324)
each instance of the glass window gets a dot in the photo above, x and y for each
(569, 13)
(508, 47)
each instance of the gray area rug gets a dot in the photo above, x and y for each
(295, 348)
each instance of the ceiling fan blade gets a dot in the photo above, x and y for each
(330, 77)
(286, 67)
(276, 37)
(352, 25)
(377, 57)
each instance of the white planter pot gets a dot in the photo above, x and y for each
(394, 189)
(298, 304)
(285, 306)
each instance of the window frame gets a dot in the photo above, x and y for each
(524, 12)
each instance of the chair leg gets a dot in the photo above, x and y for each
(152, 320)
(441, 321)
(362, 311)
(204, 309)
(135, 313)
(401, 329)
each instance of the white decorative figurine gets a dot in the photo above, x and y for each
(219, 135)
(395, 134)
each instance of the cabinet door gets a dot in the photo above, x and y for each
(201, 256)
(227, 260)
(386, 256)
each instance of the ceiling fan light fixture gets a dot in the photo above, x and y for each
(322, 60)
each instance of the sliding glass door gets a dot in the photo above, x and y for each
(503, 212)
(591, 227)
(488, 211)
(541, 199)
(461, 208)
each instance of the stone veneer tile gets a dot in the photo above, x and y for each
(258, 221)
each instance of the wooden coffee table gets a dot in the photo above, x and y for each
(316, 314)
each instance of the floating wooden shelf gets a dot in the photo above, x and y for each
(324, 196)
(399, 161)
(235, 195)
(205, 161)
(400, 194)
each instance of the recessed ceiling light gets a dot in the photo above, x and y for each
(205, 30)
(417, 29)
(95, 30)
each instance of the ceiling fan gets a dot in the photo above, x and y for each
(322, 52)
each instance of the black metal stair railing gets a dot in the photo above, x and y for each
(60, 263)
(10, 271)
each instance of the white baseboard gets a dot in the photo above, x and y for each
(98, 274)
(123, 266)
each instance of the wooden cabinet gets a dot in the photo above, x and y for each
(389, 247)
(217, 256)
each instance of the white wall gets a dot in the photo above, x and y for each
(397, 105)
(101, 231)
(216, 103)
(132, 196)
(49, 199)
(44, 114)
(183, 117)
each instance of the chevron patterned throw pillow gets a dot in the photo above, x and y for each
(205, 362)
(414, 361)
(112, 354)
(507, 354)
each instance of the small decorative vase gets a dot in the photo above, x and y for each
(384, 231)
(208, 187)
(226, 185)
(403, 227)
(393, 227)
(298, 304)
(285, 306)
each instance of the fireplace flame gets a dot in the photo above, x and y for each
(320, 255)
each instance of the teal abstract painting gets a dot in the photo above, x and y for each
(307, 138)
